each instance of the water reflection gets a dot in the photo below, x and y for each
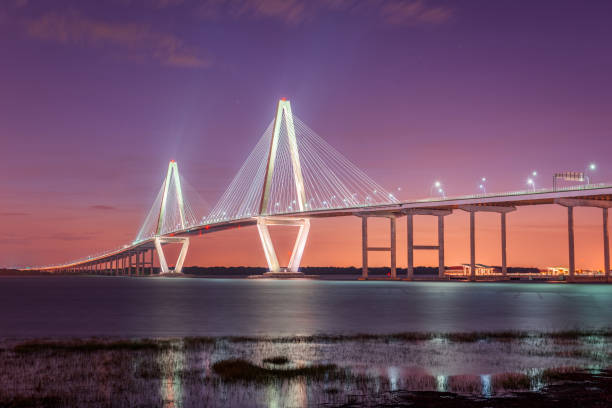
(486, 385)
(394, 377)
(211, 307)
(288, 394)
(442, 383)
(172, 364)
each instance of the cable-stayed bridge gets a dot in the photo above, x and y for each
(291, 176)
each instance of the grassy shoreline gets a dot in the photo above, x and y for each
(135, 344)
(398, 369)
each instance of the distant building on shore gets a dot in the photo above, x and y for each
(465, 270)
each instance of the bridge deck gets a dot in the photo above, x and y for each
(522, 198)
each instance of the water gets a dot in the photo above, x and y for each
(137, 307)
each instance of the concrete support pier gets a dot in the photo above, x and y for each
(570, 203)
(472, 245)
(274, 268)
(606, 243)
(502, 210)
(365, 248)
(410, 213)
(503, 244)
(570, 241)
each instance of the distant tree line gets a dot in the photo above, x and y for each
(255, 270)
(322, 270)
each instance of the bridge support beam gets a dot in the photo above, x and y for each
(472, 209)
(153, 262)
(163, 264)
(365, 248)
(606, 243)
(268, 246)
(570, 241)
(570, 203)
(410, 213)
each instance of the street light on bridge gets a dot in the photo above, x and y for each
(437, 186)
(531, 180)
(591, 168)
(531, 183)
(483, 186)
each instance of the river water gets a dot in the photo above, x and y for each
(170, 307)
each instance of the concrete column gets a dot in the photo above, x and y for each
(472, 246)
(503, 244)
(440, 246)
(570, 236)
(152, 261)
(393, 248)
(410, 241)
(606, 242)
(364, 246)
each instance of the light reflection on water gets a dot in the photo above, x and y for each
(88, 306)
(498, 364)
(441, 383)
(172, 365)
(119, 306)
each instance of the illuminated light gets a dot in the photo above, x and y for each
(437, 184)
(535, 173)
(592, 166)
(207, 227)
(283, 99)
(484, 179)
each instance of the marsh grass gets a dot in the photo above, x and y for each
(91, 345)
(459, 337)
(30, 402)
(556, 374)
(277, 360)
(198, 342)
(511, 381)
(235, 369)
(245, 371)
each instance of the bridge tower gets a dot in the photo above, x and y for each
(283, 121)
(172, 178)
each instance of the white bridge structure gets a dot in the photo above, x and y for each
(291, 176)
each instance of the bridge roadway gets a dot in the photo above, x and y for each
(595, 195)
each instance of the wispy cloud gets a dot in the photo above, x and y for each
(410, 12)
(67, 236)
(137, 40)
(102, 207)
(292, 12)
(287, 11)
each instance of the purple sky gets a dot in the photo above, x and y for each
(97, 96)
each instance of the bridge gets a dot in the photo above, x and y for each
(292, 176)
